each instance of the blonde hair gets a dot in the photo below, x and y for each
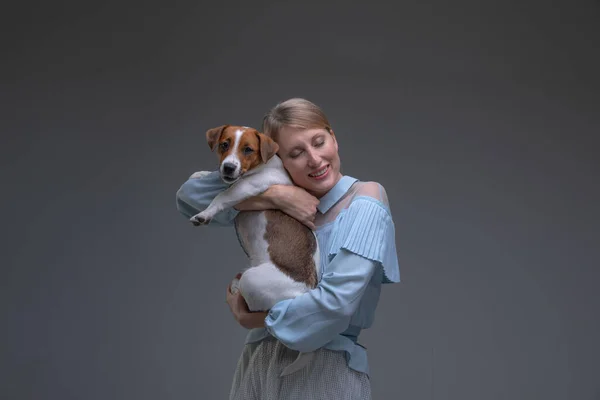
(296, 113)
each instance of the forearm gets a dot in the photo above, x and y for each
(197, 193)
(253, 320)
(264, 201)
(291, 200)
(312, 319)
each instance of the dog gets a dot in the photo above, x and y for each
(283, 253)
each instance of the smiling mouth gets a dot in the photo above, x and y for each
(320, 172)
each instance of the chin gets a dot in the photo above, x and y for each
(322, 187)
(319, 188)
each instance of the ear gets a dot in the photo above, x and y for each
(268, 147)
(213, 135)
(334, 139)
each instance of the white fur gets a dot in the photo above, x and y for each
(253, 183)
(233, 158)
(262, 284)
(256, 245)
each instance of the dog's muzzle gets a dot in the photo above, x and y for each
(230, 173)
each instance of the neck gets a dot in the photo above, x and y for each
(337, 179)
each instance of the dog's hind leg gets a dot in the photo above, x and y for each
(265, 285)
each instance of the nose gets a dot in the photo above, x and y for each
(228, 168)
(313, 159)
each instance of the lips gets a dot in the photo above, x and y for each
(319, 173)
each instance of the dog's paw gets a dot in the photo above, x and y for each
(200, 219)
(199, 174)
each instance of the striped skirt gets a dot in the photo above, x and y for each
(326, 377)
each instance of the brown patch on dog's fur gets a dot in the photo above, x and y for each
(268, 147)
(250, 140)
(291, 247)
(263, 147)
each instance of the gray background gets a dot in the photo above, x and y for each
(480, 118)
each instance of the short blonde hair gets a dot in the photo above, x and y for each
(296, 113)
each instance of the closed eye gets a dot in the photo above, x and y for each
(248, 150)
(296, 154)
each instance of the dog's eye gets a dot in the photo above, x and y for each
(224, 146)
(248, 150)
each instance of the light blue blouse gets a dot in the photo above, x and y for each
(358, 255)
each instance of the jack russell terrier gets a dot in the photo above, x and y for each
(283, 253)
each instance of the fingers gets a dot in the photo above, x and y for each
(238, 276)
(310, 224)
(305, 220)
(232, 300)
(229, 292)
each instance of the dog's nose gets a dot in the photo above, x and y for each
(228, 168)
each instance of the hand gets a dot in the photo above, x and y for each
(199, 174)
(292, 200)
(295, 202)
(241, 313)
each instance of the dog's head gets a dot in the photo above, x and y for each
(240, 149)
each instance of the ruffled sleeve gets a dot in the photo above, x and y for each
(198, 192)
(311, 320)
(366, 228)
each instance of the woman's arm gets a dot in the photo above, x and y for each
(198, 192)
(313, 319)
(292, 200)
(241, 313)
(264, 201)
(364, 242)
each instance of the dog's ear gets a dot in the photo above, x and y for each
(213, 135)
(268, 147)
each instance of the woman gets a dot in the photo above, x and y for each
(356, 236)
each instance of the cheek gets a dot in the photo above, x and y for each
(332, 153)
(328, 154)
(293, 168)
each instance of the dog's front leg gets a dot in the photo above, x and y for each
(238, 192)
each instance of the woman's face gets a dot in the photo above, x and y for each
(311, 158)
